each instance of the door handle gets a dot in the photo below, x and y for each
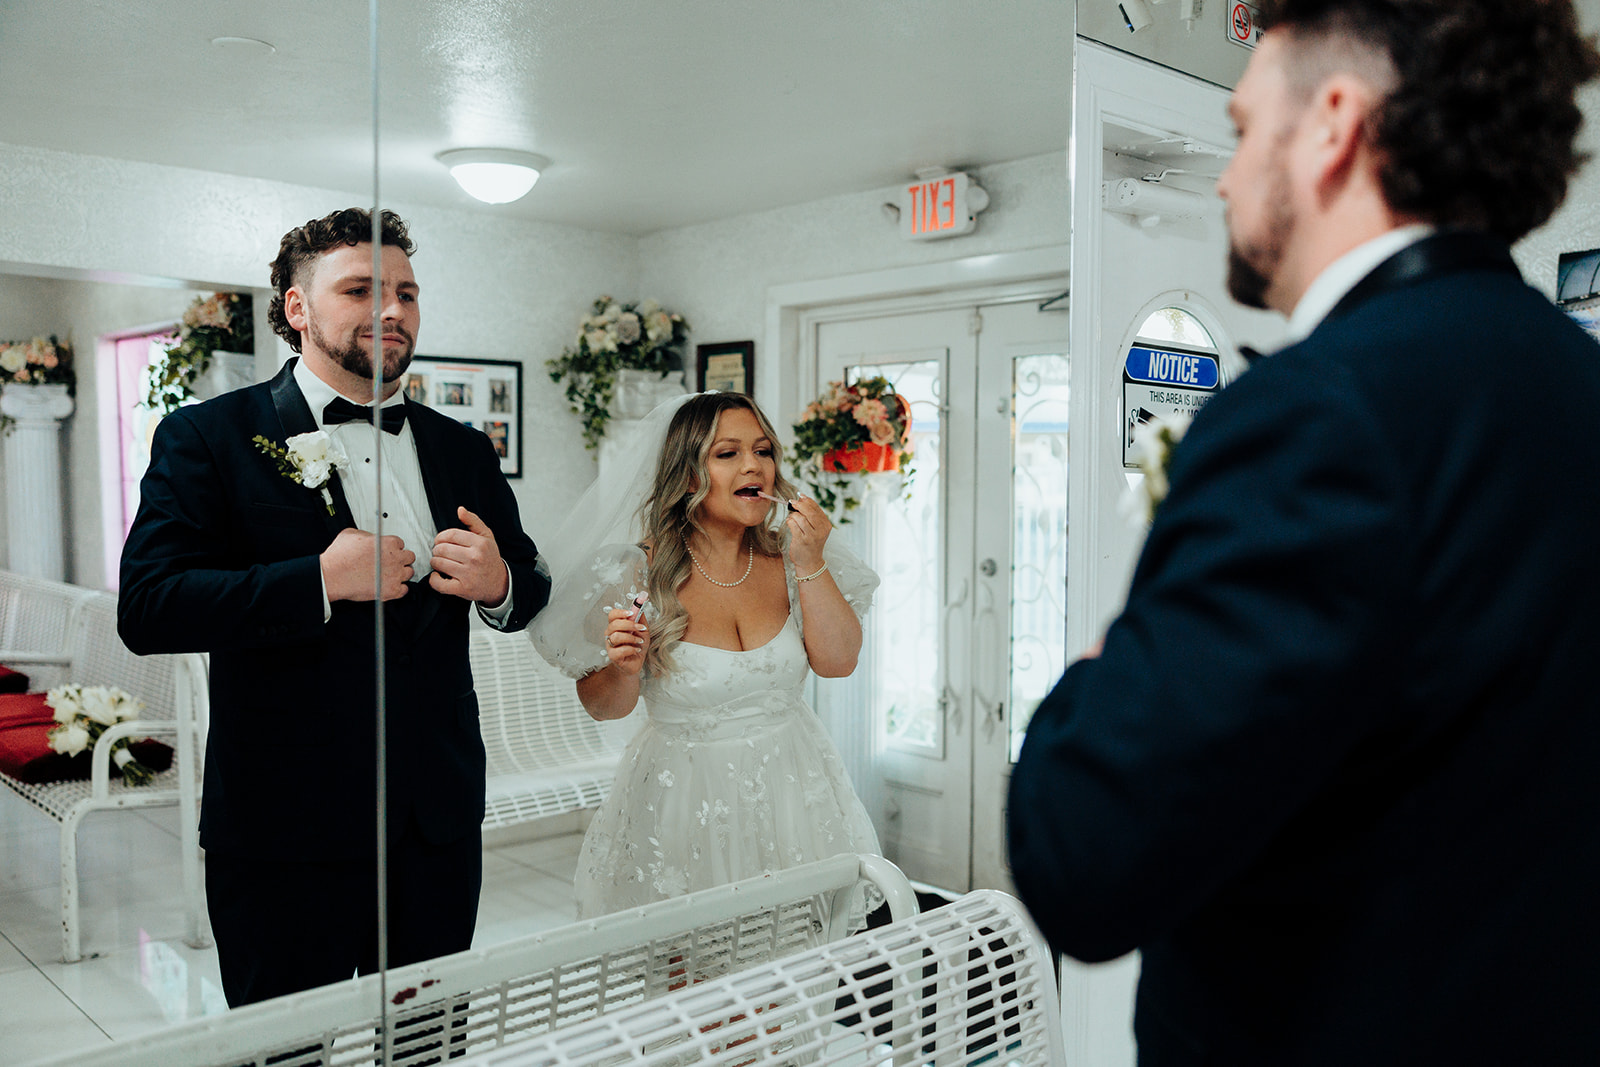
(988, 668)
(949, 699)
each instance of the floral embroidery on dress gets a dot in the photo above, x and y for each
(731, 775)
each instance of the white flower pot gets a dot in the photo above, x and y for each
(228, 371)
(639, 391)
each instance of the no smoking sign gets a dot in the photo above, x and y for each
(1242, 28)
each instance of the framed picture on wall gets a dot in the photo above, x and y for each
(728, 367)
(481, 394)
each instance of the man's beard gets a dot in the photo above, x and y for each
(357, 360)
(1246, 283)
(1253, 267)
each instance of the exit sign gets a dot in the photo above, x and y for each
(944, 205)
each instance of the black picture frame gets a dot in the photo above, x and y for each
(485, 394)
(727, 366)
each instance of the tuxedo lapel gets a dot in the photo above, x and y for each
(295, 416)
(436, 482)
(435, 467)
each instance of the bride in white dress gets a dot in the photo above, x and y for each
(731, 775)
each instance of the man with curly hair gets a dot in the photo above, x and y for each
(1333, 769)
(280, 580)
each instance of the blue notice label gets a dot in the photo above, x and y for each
(1159, 367)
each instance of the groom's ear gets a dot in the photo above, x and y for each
(294, 308)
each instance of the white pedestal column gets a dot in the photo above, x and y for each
(638, 392)
(33, 479)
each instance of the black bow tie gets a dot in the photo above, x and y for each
(341, 410)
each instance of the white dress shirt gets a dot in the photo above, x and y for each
(404, 501)
(1340, 276)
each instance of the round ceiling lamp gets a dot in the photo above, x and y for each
(494, 175)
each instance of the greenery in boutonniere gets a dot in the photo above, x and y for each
(41, 361)
(308, 459)
(221, 322)
(613, 336)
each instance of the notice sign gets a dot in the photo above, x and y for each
(1162, 382)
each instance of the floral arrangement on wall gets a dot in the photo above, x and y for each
(861, 427)
(221, 322)
(613, 336)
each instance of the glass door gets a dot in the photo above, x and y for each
(910, 752)
(1021, 530)
(969, 628)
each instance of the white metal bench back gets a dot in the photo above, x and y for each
(480, 1000)
(36, 616)
(545, 754)
(966, 984)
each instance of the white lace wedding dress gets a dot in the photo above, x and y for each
(731, 776)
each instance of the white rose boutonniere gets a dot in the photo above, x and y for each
(83, 714)
(1153, 444)
(308, 459)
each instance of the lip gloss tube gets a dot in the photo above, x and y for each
(776, 500)
(638, 604)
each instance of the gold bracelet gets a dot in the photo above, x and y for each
(808, 577)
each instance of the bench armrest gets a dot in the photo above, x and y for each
(54, 659)
(100, 762)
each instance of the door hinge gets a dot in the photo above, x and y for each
(975, 323)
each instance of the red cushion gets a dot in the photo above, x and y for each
(18, 709)
(12, 681)
(26, 755)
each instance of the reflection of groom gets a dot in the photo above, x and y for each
(230, 556)
(1334, 772)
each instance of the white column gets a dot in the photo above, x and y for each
(33, 478)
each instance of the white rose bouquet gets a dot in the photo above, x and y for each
(308, 459)
(83, 714)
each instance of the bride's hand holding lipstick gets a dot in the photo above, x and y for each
(628, 636)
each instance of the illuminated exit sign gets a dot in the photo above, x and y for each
(944, 205)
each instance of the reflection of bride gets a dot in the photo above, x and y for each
(731, 775)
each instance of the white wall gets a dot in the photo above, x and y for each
(490, 287)
(718, 273)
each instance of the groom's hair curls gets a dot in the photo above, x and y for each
(671, 511)
(302, 245)
(1477, 124)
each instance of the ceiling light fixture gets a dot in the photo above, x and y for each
(494, 175)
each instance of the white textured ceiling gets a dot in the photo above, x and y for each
(656, 113)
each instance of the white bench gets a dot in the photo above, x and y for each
(969, 983)
(546, 756)
(542, 984)
(58, 633)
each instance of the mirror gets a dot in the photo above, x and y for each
(700, 154)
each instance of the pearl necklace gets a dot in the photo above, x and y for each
(726, 585)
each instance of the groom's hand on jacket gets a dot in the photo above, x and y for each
(347, 567)
(466, 563)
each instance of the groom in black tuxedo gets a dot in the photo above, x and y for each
(1336, 769)
(281, 581)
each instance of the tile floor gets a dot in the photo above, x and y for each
(143, 976)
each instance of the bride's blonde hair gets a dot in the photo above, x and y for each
(672, 510)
